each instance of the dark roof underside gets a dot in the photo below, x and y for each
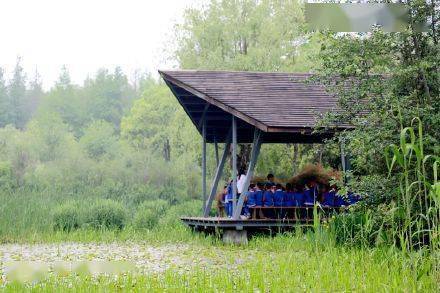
(283, 105)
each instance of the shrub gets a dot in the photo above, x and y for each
(106, 214)
(172, 216)
(66, 217)
(149, 212)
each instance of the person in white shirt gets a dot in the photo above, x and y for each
(241, 178)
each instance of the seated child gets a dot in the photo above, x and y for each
(249, 200)
(298, 196)
(268, 200)
(289, 199)
(328, 197)
(340, 201)
(278, 196)
(268, 195)
(310, 194)
(258, 194)
(352, 198)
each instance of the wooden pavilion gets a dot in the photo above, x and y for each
(233, 107)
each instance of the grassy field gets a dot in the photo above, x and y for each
(279, 264)
(191, 262)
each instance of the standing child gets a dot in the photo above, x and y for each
(228, 200)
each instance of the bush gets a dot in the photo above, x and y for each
(173, 215)
(66, 217)
(149, 212)
(106, 214)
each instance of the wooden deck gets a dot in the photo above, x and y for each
(210, 223)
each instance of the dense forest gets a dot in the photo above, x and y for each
(128, 146)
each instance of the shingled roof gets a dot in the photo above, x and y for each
(283, 105)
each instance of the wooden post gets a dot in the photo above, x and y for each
(256, 146)
(217, 177)
(343, 163)
(234, 163)
(204, 164)
(216, 151)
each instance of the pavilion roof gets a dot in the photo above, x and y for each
(283, 105)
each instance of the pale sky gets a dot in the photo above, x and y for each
(86, 35)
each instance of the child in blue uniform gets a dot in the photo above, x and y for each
(250, 200)
(298, 196)
(352, 198)
(328, 197)
(278, 201)
(289, 198)
(278, 196)
(268, 195)
(259, 195)
(340, 201)
(311, 194)
(268, 199)
(228, 200)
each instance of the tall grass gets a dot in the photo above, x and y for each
(417, 212)
(286, 263)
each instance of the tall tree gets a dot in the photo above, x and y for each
(249, 35)
(242, 35)
(17, 96)
(34, 95)
(4, 101)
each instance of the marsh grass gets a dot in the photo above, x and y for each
(417, 212)
(285, 263)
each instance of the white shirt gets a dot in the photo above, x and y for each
(240, 183)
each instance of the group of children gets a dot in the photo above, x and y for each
(269, 194)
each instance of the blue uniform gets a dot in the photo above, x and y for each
(228, 201)
(353, 198)
(298, 199)
(289, 199)
(310, 195)
(278, 198)
(251, 199)
(329, 198)
(268, 199)
(340, 201)
(259, 198)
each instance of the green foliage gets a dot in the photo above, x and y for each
(389, 79)
(106, 214)
(242, 35)
(67, 217)
(149, 213)
(99, 140)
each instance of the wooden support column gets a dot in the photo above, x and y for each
(217, 177)
(344, 162)
(256, 146)
(204, 163)
(234, 163)
(216, 151)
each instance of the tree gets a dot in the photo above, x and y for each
(383, 81)
(17, 97)
(149, 122)
(99, 140)
(34, 95)
(242, 35)
(246, 35)
(4, 101)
